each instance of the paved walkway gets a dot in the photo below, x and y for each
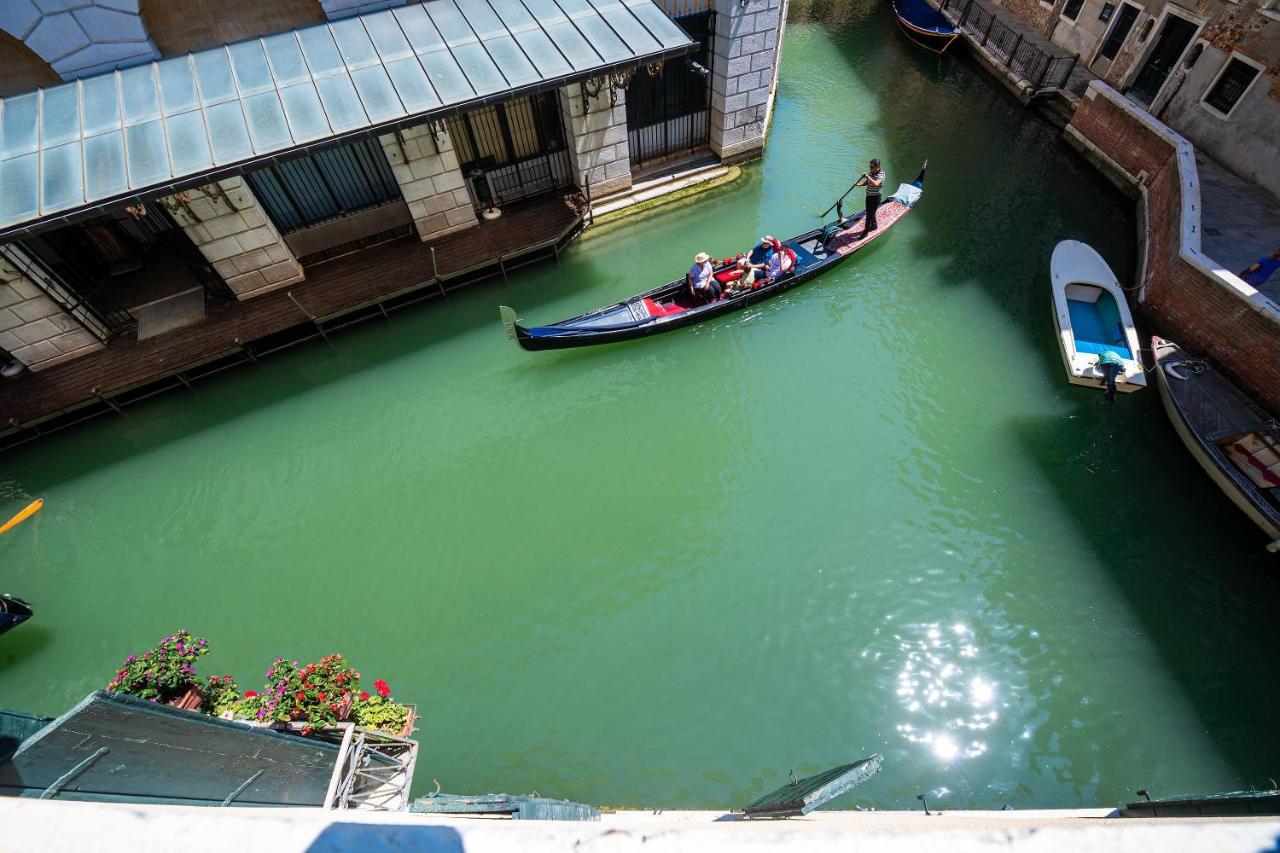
(1239, 222)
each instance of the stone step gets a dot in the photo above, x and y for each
(646, 190)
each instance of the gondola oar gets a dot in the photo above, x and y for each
(838, 201)
(31, 509)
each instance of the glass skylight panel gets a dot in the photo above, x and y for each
(63, 178)
(545, 55)
(484, 76)
(145, 154)
(139, 95)
(341, 103)
(602, 38)
(213, 72)
(446, 76)
(353, 43)
(387, 36)
(663, 28)
(450, 22)
(100, 106)
(285, 58)
(60, 114)
(250, 64)
(482, 18)
(188, 145)
(104, 165)
(419, 29)
(322, 54)
(377, 94)
(20, 188)
(267, 127)
(514, 15)
(18, 125)
(573, 45)
(228, 133)
(412, 85)
(624, 23)
(511, 60)
(306, 116)
(177, 85)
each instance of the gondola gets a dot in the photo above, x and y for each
(671, 306)
(924, 25)
(1235, 442)
(13, 612)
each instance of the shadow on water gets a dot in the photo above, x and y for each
(1207, 608)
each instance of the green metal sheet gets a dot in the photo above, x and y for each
(801, 796)
(15, 727)
(1227, 804)
(518, 807)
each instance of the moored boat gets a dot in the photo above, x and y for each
(924, 25)
(1096, 334)
(1235, 441)
(671, 306)
(13, 612)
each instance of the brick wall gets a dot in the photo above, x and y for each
(1191, 299)
(1039, 16)
(430, 181)
(33, 329)
(229, 227)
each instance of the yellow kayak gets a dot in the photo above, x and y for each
(31, 509)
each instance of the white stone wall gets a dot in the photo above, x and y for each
(230, 228)
(430, 180)
(598, 149)
(33, 329)
(744, 56)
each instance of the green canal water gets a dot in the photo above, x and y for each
(869, 516)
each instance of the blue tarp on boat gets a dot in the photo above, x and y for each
(921, 15)
(1097, 326)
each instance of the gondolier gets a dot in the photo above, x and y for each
(873, 180)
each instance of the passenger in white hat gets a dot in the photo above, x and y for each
(702, 284)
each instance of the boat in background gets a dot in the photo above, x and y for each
(1235, 441)
(13, 612)
(1096, 335)
(924, 25)
(671, 306)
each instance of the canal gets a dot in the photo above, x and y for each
(869, 516)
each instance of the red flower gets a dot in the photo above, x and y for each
(249, 694)
(364, 695)
(321, 697)
(301, 696)
(381, 686)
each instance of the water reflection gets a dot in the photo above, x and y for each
(948, 700)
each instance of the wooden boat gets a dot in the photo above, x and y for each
(924, 25)
(13, 612)
(672, 306)
(1235, 442)
(1096, 335)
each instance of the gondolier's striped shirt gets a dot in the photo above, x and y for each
(875, 176)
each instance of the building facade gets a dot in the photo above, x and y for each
(1208, 68)
(157, 167)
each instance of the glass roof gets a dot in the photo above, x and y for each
(123, 132)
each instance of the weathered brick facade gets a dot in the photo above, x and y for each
(1207, 310)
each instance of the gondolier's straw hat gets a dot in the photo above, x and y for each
(701, 258)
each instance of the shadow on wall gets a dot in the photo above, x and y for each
(381, 838)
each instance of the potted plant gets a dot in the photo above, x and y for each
(166, 673)
(380, 712)
(318, 694)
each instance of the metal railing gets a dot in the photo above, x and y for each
(1043, 71)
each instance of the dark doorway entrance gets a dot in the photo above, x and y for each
(1173, 39)
(667, 104)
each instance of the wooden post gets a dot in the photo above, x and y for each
(1017, 44)
(435, 273)
(307, 314)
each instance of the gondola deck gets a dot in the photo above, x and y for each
(671, 306)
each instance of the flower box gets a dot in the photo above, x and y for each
(189, 700)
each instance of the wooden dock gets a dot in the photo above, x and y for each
(337, 292)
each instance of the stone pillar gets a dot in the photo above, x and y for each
(231, 229)
(744, 56)
(598, 149)
(429, 178)
(33, 328)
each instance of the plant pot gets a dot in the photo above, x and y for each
(190, 700)
(344, 707)
(408, 723)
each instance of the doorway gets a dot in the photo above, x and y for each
(668, 105)
(1173, 39)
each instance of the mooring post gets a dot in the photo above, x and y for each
(307, 314)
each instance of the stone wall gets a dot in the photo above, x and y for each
(1191, 298)
(33, 328)
(80, 37)
(230, 228)
(429, 178)
(743, 58)
(598, 149)
(1037, 14)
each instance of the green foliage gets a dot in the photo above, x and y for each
(221, 694)
(375, 712)
(161, 673)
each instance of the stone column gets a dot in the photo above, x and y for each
(598, 149)
(33, 328)
(231, 229)
(430, 180)
(744, 56)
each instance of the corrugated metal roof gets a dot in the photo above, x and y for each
(120, 134)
